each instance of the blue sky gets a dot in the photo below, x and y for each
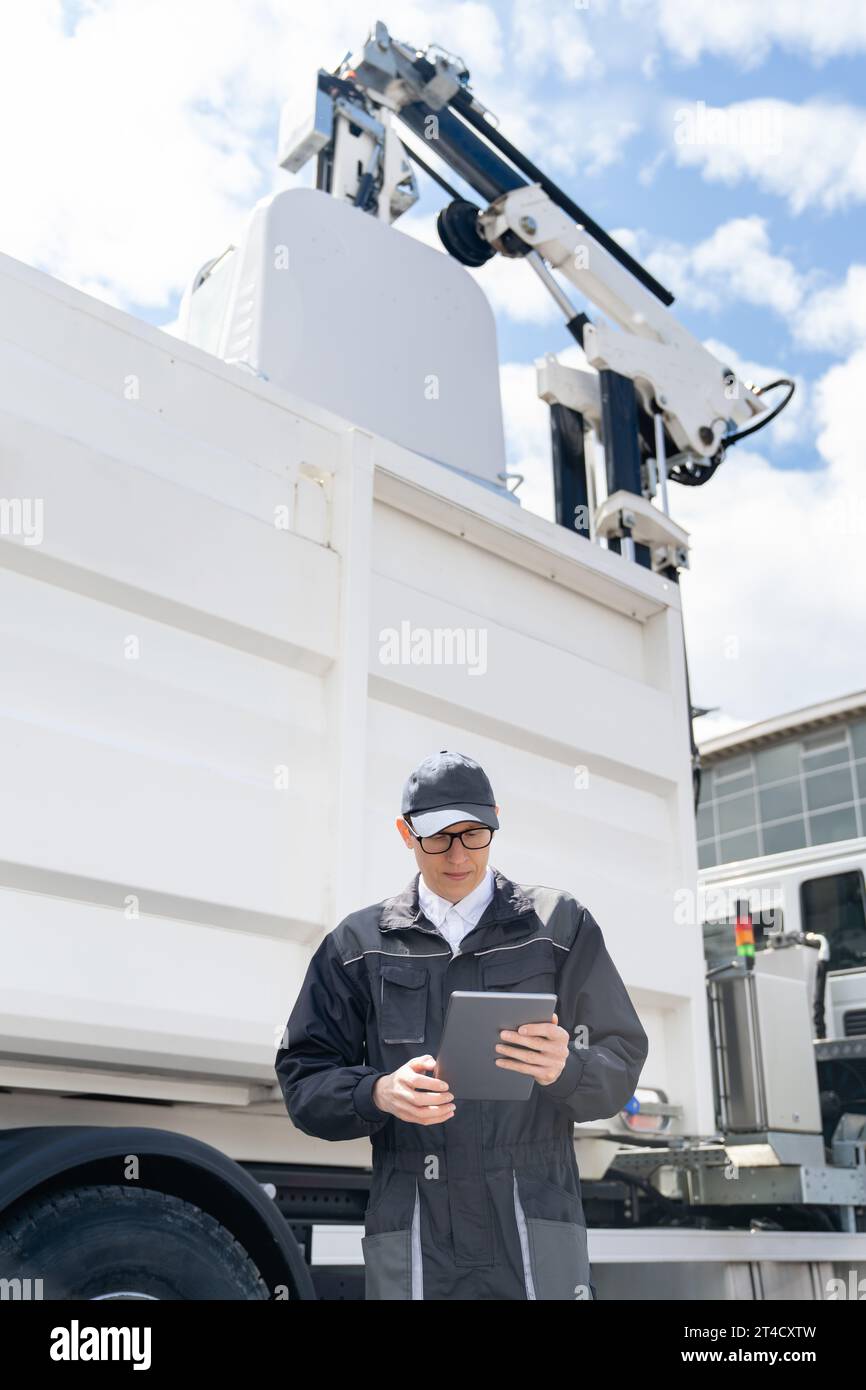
(144, 132)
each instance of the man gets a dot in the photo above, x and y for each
(473, 1199)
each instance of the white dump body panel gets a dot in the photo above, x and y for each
(204, 739)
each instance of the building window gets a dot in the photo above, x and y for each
(736, 813)
(783, 800)
(824, 750)
(825, 789)
(800, 792)
(707, 854)
(744, 846)
(734, 775)
(857, 733)
(788, 834)
(778, 762)
(833, 825)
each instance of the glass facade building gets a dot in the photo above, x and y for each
(766, 793)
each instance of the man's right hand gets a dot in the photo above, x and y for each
(412, 1096)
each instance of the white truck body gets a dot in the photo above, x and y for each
(205, 738)
(774, 880)
(205, 734)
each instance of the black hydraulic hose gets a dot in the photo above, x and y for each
(437, 178)
(695, 751)
(818, 1015)
(703, 470)
(765, 420)
(462, 103)
(365, 188)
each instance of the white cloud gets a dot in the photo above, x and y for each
(647, 172)
(604, 142)
(746, 31)
(144, 135)
(813, 154)
(839, 397)
(553, 38)
(835, 318)
(649, 65)
(121, 175)
(738, 256)
(735, 262)
(515, 290)
(629, 239)
(715, 725)
(776, 586)
(527, 428)
(135, 146)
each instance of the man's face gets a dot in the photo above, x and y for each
(456, 872)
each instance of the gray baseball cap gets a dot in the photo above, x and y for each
(445, 788)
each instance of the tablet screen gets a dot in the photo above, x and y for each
(467, 1053)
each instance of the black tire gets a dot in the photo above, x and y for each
(109, 1241)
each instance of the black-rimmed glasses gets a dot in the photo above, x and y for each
(476, 838)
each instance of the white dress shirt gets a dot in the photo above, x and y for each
(454, 920)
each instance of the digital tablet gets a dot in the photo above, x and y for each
(467, 1053)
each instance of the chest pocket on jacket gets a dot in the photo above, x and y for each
(403, 1003)
(529, 969)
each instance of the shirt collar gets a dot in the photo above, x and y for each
(469, 908)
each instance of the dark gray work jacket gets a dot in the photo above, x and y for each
(486, 1204)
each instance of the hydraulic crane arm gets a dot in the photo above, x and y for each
(660, 402)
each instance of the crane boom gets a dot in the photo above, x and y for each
(662, 405)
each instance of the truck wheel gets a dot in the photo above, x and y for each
(109, 1242)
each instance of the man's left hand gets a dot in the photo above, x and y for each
(549, 1044)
